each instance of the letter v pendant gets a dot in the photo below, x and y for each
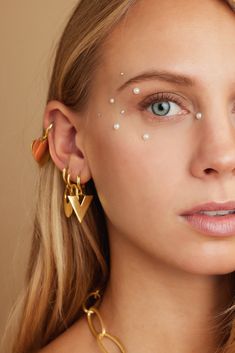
(75, 200)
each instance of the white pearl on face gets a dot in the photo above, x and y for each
(122, 73)
(112, 100)
(116, 126)
(136, 90)
(199, 115)
(145, 137)
(122, 112)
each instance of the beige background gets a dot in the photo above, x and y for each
(29, 30)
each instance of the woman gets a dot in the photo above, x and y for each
(135, 205)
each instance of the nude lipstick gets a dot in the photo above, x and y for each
(212, 218)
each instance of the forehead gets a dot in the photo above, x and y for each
(172, 34)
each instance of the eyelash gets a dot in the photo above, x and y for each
(162, 97)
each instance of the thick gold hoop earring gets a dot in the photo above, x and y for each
(75, 198)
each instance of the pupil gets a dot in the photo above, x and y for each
(161, 108)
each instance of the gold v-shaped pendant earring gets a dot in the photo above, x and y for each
(74, 198)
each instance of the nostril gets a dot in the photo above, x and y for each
(209, 170)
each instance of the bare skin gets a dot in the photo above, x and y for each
(167, 280)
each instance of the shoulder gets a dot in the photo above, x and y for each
(77, 339)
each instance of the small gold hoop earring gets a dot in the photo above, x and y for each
(75, 198)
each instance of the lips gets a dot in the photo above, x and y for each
(210, 206)
(216, 226)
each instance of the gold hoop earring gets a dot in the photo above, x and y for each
(75, 198)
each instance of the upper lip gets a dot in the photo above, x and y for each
(211, 206)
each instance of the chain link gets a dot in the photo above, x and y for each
(93, 313)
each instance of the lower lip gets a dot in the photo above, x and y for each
(220, 226)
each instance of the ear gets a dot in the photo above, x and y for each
(65, 140)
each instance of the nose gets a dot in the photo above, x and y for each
(215, 151)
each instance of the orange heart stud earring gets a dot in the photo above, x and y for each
(39, 147)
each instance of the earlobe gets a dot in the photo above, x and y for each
(65, 147)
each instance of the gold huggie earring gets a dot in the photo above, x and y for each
(74, 198)
(39, 147)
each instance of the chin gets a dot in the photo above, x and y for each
(215, 266)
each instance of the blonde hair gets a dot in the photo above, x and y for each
(68, 260)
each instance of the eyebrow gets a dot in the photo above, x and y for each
(161, 76)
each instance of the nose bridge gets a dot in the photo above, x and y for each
(217, 142)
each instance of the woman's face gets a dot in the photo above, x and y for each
(186, 50)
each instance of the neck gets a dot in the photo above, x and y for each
(152, 307)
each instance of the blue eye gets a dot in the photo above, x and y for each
(163, 108)
(163, 105)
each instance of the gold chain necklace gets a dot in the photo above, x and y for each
(93, 312)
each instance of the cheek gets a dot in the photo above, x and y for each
(141, 188)
(133, 179)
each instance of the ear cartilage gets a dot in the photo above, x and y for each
(145, 137)
(116, 126)
(136, 90)
(112, 100)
